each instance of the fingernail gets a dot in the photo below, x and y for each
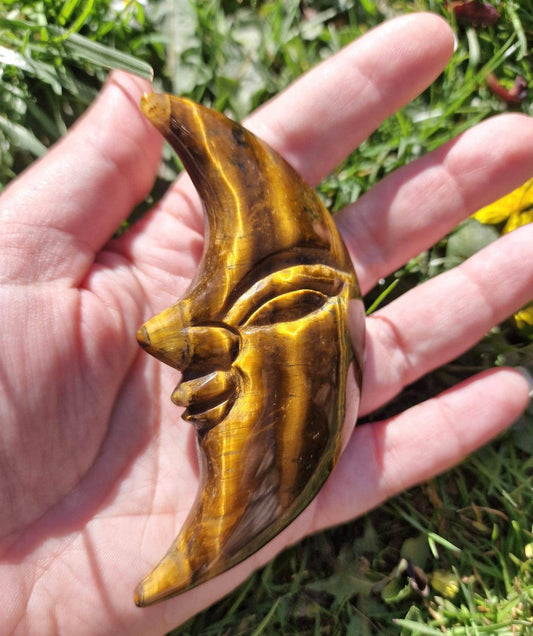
(529, 377)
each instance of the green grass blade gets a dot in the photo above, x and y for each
(81, 47)
(519, 30)
(22, 138)
(266, 620)
(417, 628)
(382, 297)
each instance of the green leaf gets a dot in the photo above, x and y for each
(86, 12)
(9, 57)
(395, 591)
(37, 68)
(67, 10)
(469, 238)
(22, 138)
(416, 550)
(523, 431)
(413, 614)
(417, 628)
(349, 579)
(82, 48)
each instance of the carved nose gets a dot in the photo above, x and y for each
(163, 337)
(143, 337)
(169, 338)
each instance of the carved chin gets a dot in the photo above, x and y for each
(263, 341)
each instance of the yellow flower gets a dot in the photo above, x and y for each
(516, 208)
(524, 317)
(445, 583)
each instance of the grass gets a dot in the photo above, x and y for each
(453, 555)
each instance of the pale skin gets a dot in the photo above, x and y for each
(97, 470)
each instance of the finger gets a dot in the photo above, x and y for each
(324, 115)
(384, 458)
(415, 206)
(68, 204)
(314, 131)
(437, 321)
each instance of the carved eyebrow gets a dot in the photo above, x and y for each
(314, 277)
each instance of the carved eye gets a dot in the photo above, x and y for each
(286, 295)
(287, 307)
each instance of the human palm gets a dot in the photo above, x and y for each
(97, 469)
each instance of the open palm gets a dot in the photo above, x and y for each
(97, 470)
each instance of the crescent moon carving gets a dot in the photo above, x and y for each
(269, 341)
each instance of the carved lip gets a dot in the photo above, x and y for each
(208, 415)
(206, 397)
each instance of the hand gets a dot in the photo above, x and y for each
(97, 471)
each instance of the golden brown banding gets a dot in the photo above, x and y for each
(262, 340)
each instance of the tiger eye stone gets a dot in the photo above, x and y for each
(269, 341)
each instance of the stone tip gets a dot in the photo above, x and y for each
(143, 338)
(170, 577)
(138, 596)
(156, 108)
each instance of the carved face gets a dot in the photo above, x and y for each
(262, 341)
